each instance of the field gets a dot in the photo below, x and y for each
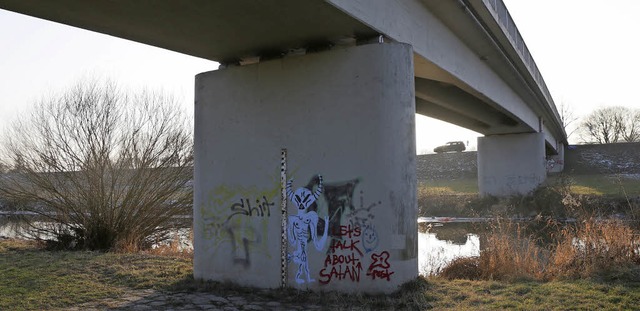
(614, 185)
(35, 279)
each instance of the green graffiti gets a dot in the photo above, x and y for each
(239, 216)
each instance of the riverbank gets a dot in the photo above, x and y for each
(32, 278)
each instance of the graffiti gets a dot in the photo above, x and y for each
(363, 217)
(350, 243)
(230, 217)
(370, 239)
(303, 197)
(551, 163)
(353, 234)
(247, 210)
(240, 241)
(343, 260)
(380, 266)
(303, 227)
(339, 199)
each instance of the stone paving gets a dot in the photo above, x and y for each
(141, 300)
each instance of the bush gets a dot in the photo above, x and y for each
(103, 169)
(462, 268)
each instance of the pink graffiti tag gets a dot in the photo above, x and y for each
(380, 266)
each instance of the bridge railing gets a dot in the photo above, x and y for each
(502, 16)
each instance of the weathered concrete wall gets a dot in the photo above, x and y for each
(452, 165)
(511, 164)
(620, 158)
(346, 114)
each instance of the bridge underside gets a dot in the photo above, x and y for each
(225, 31)
(240, 31)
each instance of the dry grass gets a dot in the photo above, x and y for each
(510, 254)
(174, 247)
(467, 268)
(593, 248)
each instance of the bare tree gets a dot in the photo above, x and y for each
(631, 130)
(568, 117)
(611, 125)
(105, 168)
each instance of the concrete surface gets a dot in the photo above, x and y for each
(346, 114)
(511, 164)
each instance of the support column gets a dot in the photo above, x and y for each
(511, 164)
(347, 115)
(555, 163)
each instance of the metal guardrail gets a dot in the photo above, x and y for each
(502, 16)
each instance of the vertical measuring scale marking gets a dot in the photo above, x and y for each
(283, 210)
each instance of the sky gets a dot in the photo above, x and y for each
(586, 50)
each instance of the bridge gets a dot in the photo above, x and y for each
(311, 88)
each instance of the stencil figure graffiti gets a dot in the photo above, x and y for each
(303, 227)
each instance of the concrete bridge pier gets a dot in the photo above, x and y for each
(555, 162)
(511, 164)
(347, 115)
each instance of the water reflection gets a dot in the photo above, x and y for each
(18, 228)
(12, 227)
(434, 253)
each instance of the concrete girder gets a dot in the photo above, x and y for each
(491, 41)
(420, 23)
(488, 119)
(427, 108)
(499, 23)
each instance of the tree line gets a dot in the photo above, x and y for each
(611, 125)
(605, 125)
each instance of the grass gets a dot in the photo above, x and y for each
(603, 194)
(35, 279)
(614, 185)
(531, 295)
(449, 187)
